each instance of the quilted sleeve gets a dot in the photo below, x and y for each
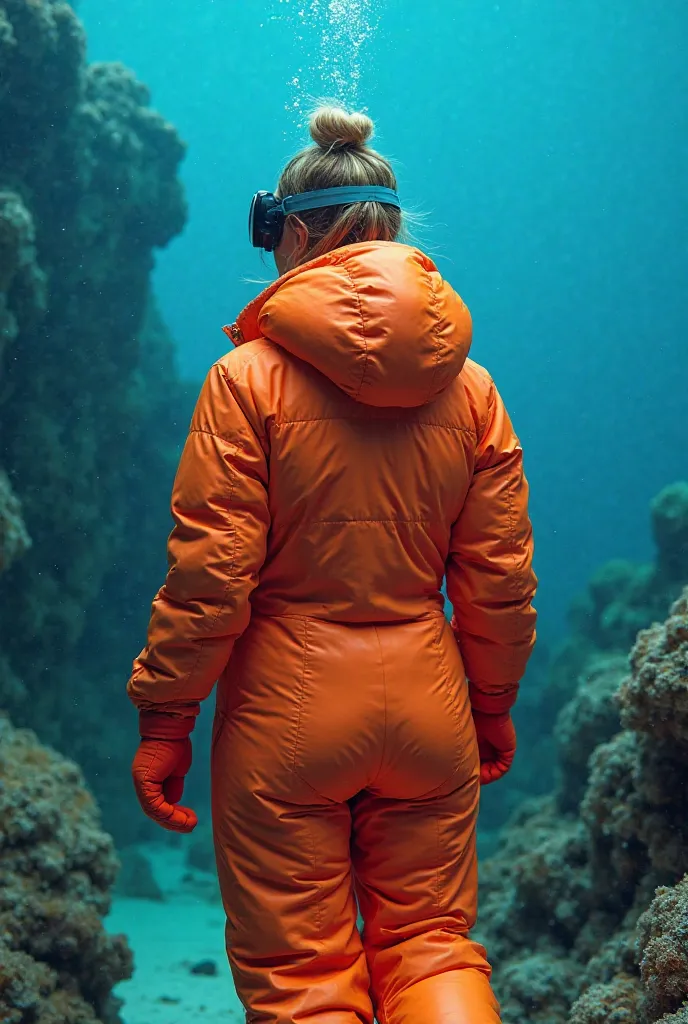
(490, 578)
(215, 553)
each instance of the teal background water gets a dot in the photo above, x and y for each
(548, 144)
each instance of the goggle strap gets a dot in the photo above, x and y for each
(339, 197)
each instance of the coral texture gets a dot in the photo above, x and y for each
(670, 528)
(589, 719)
(680, 1017)
(136, 879)
(663, 941)
(14, 538)
(92, 415)
(22, 282)
(569, 912)
(620, 599)
(539, 986)
(613, 1003)
(654, 699)
(57, 964)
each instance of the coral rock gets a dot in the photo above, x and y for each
(614, 1003)
(205, 967)
(564, 902)
(613, 813)
(57, 867)
(655, 699)
(663, 941)
(22, 282)
(670, 529)
(591, 718)
(14, 538)
(136, 878)
(680, 1017)
(92, 413)
(537, 989)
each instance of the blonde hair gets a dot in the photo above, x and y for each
(341, 157)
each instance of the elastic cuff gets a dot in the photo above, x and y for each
(492, 703)
(159, 725)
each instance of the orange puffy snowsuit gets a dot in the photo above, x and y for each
(342, 459)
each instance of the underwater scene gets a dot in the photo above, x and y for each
(529, 156)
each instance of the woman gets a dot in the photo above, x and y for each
(343, 459)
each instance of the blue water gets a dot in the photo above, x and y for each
(548, 144)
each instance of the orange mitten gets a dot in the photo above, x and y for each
(496, 743)
(161, 763)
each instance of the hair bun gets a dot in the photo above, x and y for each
(336, 128)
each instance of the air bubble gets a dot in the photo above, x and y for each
(332, 68)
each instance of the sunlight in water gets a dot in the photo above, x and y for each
(331, 35)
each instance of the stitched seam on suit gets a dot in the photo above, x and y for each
(350, 522)
(438, 870)
(384, 727)
(346, 622)
(301, 697)
(454, 710)
(373, 419)
(363, 329)
(490, 404)
(435, 330)
(234, 378)
(321, 796)
(433, 792)
(317, 896)
(228, 583)
(517, 576)
(441, 626)
(218, 727)
(226, 440)
(452, 696)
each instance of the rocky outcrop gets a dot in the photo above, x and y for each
(14, 538)
(57, 867)
(584, 907)
(587, 668)
(92, 414)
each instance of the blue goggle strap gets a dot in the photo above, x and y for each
(339, 197)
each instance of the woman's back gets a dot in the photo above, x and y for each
(342, 460)
(369, 460)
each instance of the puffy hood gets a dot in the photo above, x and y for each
(376, 318)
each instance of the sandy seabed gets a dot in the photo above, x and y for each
(168, 938)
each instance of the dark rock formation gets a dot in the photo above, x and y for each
(654, 699)
(621, 599)
(136, 879)
(92, 415)
(14, 538)
(592, 906)
(663, 942)
(670, 529)
(57, 867)
(589, 719)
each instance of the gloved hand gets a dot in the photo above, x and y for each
(496, 743)
(161, 763)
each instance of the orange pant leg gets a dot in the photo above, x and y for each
(292, 941)
(321, 723)
(283, 850)
(416, 878)
(414, 849)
